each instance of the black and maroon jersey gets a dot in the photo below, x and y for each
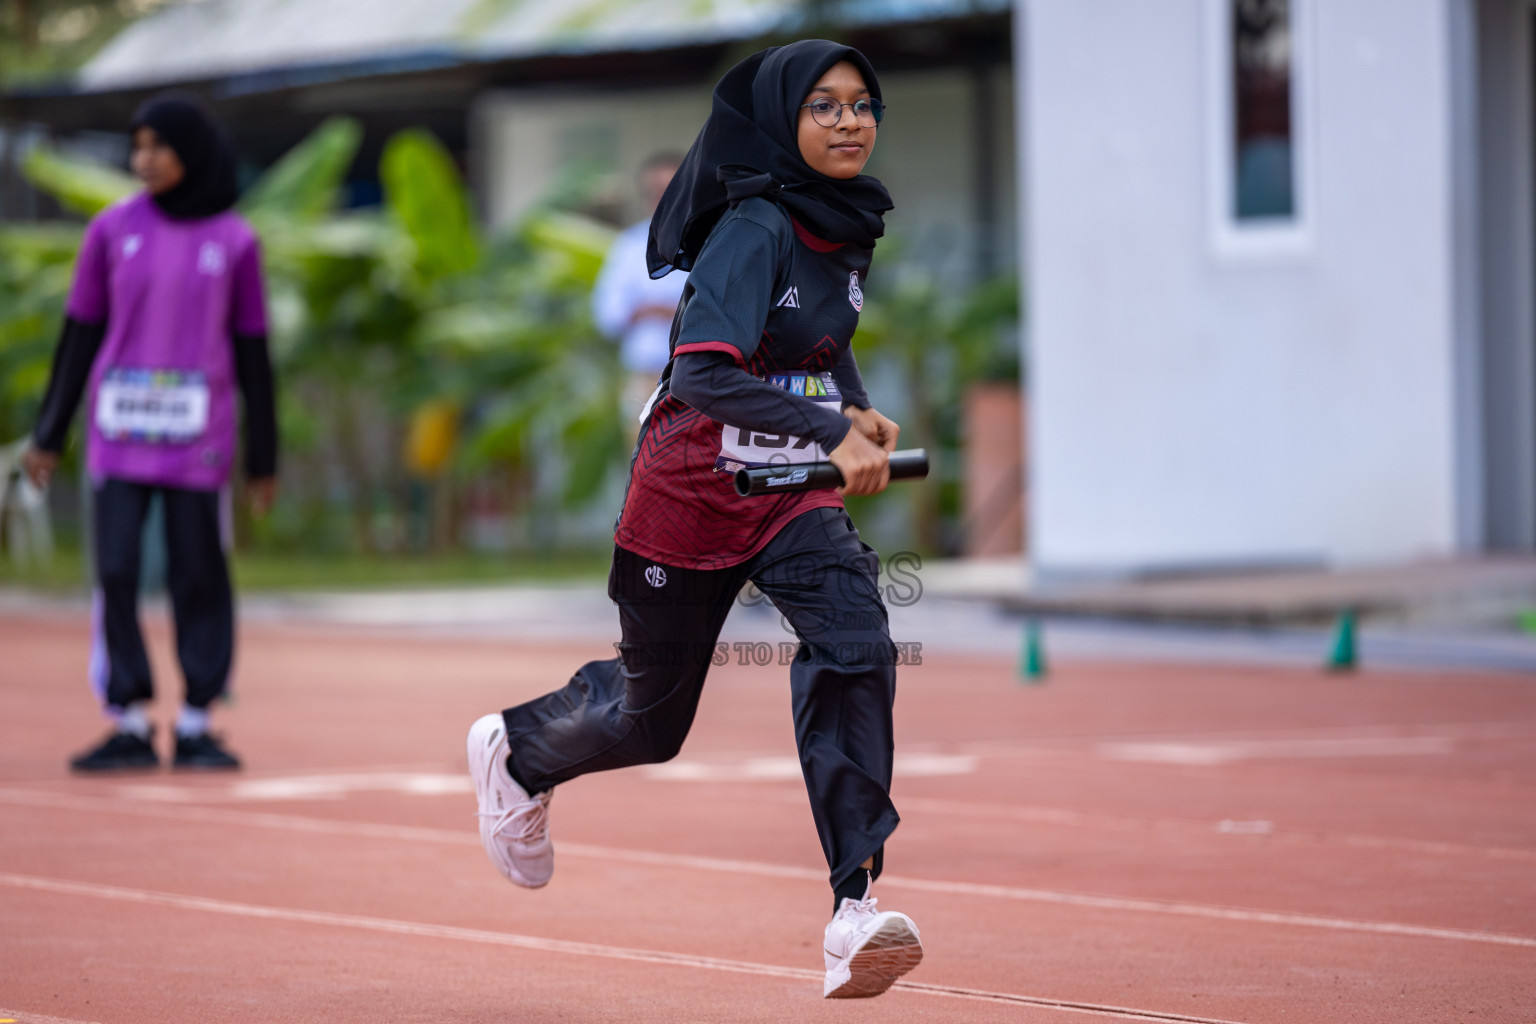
(767, 305)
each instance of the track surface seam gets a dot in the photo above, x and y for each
(411, 833)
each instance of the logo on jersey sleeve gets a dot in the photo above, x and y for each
(210, 259)
(791, 299)
(855, 293)
(131, 245)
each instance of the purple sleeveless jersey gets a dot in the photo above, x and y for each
(172, 293)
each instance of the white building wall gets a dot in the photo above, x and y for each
(1198, 397)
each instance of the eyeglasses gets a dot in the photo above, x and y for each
(829, 113)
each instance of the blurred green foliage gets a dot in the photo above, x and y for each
(42, 40)
(34, 280)
(939, 340)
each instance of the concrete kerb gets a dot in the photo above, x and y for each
(1465, 591)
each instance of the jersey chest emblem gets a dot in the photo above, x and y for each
(791, 299)
(210, 259)
(855, 293)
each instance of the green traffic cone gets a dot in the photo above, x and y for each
(1032, 666)
(1343, 657)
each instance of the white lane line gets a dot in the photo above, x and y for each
(421, 780)
(23, 1017)
(227, 816)
(1515, 729)
(335, 785)
(1061, 816)
(304, 787)
(413, 833)
(1056, 1004)
(1215, 754)
(417, 929)
(1081, 899)
(787, 768)
(424, 782)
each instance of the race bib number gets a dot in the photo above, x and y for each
(163, 406)
(741, 448)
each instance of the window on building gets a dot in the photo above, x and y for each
(1264, 153)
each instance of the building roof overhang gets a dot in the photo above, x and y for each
(323, 56)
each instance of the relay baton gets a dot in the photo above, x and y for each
(910, 464)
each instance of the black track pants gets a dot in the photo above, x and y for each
(197, 577)
(637, 709)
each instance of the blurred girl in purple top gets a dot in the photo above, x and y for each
(165, 321)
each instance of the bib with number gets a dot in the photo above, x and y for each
(741, 448)
(161, 406)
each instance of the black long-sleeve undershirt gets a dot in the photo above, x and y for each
(258, 390)
(72, 359)
(849, 381)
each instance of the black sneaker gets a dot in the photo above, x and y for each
(203, 753)
(120, 752)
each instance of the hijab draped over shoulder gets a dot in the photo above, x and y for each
(750, 146)
(207, 157)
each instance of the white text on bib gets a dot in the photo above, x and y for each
(169, 406)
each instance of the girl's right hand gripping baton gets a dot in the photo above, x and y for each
(910, 464)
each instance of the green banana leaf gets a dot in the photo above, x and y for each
(306, 182)
(426, 197)
(581, 242)
(84, 186)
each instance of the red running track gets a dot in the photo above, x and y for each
(1167, 843)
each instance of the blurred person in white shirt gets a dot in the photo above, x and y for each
(631, 308)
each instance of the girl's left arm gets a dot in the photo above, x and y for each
(849, 381)
(867, 420)
(253, 366)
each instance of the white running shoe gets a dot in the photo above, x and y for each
(867, 950)
(514, 827)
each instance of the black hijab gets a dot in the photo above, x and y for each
(185, 124)
(750, 146)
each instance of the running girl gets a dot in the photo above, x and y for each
(773, 218)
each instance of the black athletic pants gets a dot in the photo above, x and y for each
(637, 709)
(197, 577)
